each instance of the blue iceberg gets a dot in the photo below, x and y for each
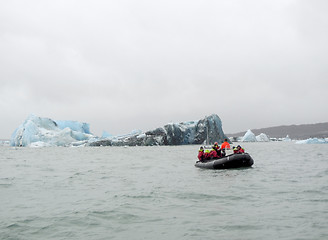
(249, 137)
(37, 131)
(262, 138)
(313, 141)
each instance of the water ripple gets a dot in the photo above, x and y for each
(157, 193)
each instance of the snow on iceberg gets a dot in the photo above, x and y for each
(37, 131)
(262, 138)
(313, 141)
(249, 137)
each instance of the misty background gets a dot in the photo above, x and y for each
(124, 65)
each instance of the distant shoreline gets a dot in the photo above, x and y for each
(302, 131)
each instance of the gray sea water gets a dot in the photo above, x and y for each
(157, 193)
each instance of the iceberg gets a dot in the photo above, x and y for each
(36, 131)
(313, 141)
(44, 132)
(133, 133)
(287, 139)
(189, 132)
(262, 138)
(249, 137)
(4, 143)
(106, 135)
(74, 125)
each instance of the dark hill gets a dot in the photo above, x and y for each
(303, 131)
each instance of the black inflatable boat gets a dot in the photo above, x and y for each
(231, 161)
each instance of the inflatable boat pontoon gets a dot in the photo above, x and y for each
(231, 161)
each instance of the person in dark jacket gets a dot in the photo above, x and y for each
(217, 149)
(235, 150)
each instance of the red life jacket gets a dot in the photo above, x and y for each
(201, 155)
(207, 154)
(241, 150)
(213, 154)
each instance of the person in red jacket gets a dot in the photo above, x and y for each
(207, 154)
(201, 155)
(240, 149)
(213, 153)
(225, 144)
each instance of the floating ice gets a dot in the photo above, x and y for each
(74, 125)
(40, 132)
(249, 137)
(106, 135)
(4, 143)
(36, 131)
(189, 132)
(262, 138)
(287, 139)
(313, 141)
(133, 133)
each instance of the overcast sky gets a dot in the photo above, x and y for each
(139, 64)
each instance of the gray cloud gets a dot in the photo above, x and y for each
(121, 65)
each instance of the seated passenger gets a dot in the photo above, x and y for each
(216, 145)
(235, 150)
(207, 154)
(213, 153)
(240, 149)
(201, 155)
(217, 149)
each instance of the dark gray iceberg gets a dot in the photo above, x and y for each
(207, 130)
